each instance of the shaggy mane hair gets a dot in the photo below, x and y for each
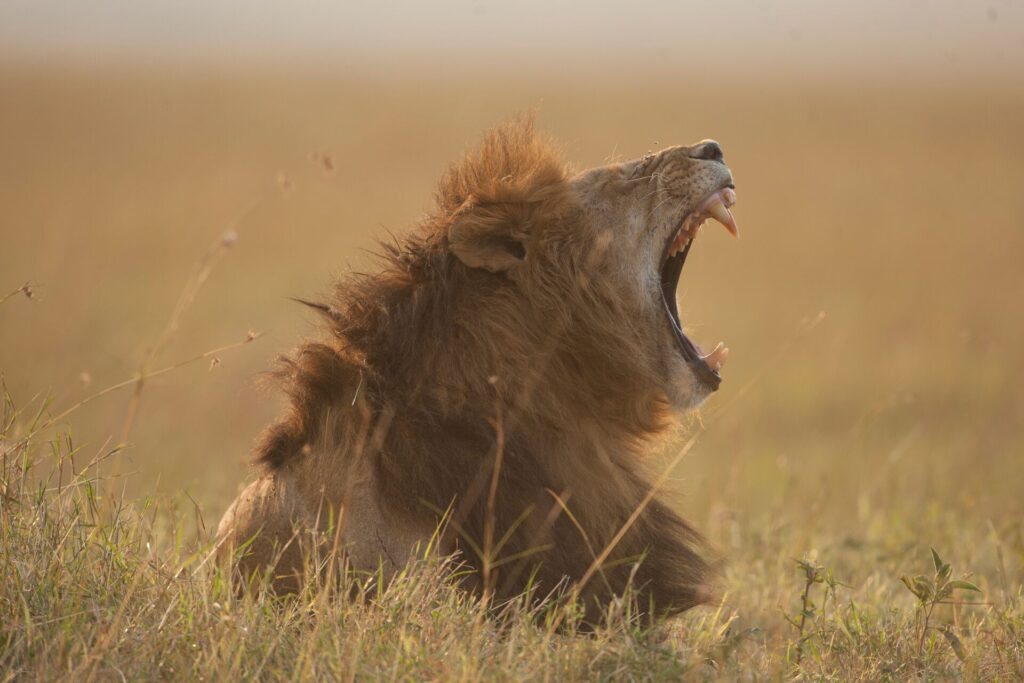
(519, 403)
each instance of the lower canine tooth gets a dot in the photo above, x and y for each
(716, 359)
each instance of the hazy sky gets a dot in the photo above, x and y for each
(910, 37)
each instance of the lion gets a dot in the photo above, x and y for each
(492, 390)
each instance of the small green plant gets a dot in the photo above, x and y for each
(813, 574)
(936, 590)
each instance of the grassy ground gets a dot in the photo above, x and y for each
(871, 408)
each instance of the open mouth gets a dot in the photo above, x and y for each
(715, 206)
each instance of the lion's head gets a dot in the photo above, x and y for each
(509, 363)
(600, 251)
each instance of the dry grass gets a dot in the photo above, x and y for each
(871, 407)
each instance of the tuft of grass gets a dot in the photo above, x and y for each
(97, 587)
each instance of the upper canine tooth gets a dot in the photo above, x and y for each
(724, 216)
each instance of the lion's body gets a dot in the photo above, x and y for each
(514, 405)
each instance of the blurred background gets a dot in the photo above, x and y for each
(872, 306)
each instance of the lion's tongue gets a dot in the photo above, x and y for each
(716, 359)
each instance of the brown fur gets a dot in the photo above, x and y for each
(506, 357)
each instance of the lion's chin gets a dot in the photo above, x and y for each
(686, 391)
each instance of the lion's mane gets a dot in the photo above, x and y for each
(522, 409)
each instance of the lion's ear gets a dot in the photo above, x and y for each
(490, 235)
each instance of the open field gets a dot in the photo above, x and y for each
(871, 407)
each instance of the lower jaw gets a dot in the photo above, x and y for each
(691, 355)
(689, 393)
(670, 272)
(707, 377)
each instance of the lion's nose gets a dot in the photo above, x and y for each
(708, 149)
